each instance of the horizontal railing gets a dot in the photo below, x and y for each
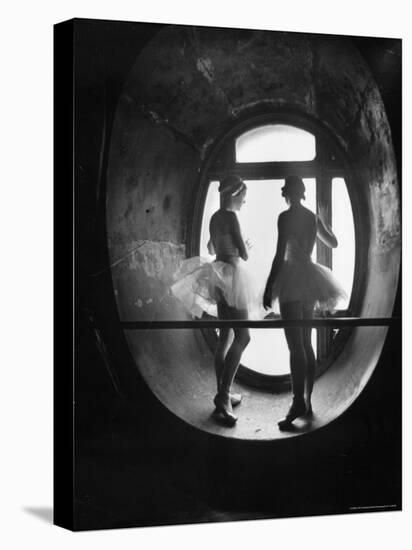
(331, 322)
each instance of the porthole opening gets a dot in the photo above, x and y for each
(165, 163)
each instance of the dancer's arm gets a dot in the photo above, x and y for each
(277, 262)
(324, 231)
(211, 247)
(238, 239)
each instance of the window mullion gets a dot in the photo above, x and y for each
(324, 253)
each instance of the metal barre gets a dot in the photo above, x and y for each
(331, 322)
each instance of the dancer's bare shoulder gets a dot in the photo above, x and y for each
(284, 216)
(298, 221)
(223, 221)
(307, 213)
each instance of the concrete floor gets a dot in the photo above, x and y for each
(258, 415)
(178, 368)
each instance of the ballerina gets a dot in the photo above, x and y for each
(223, 283)
(300, 284)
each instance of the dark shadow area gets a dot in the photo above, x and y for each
(43, 513)
(141, 466)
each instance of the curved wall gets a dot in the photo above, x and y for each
(186, 89)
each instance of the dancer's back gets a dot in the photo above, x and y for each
(225, 236)
(299, 223)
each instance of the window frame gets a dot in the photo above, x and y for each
(330, 162)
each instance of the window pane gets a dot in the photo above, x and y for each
(343, 226)
(258, 221)
(267, 351)
(275, 143)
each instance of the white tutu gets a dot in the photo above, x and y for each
(200, 284)
(300, 279)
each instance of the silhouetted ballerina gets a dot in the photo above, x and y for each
(299, 285)
(224, 283)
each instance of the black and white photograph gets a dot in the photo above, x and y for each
(237, 273)
(205, 250)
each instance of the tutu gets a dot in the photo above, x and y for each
(300, 279)
(200, 284)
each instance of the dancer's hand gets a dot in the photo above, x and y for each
(248, 244)
(211, 248)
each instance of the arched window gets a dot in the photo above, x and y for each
(263, 155)
(275, 143)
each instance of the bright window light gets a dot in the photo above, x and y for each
(275, 143)
(343, 262)
(267, 351)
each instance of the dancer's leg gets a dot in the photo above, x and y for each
(232, 359)
(294, 338)
(223, 401)
(222, 344)
(310, 355)
(220, 353)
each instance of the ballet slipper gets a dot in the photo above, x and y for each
(235, 399)
(298, 408)
(224, 407)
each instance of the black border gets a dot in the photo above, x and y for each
(64, 264)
